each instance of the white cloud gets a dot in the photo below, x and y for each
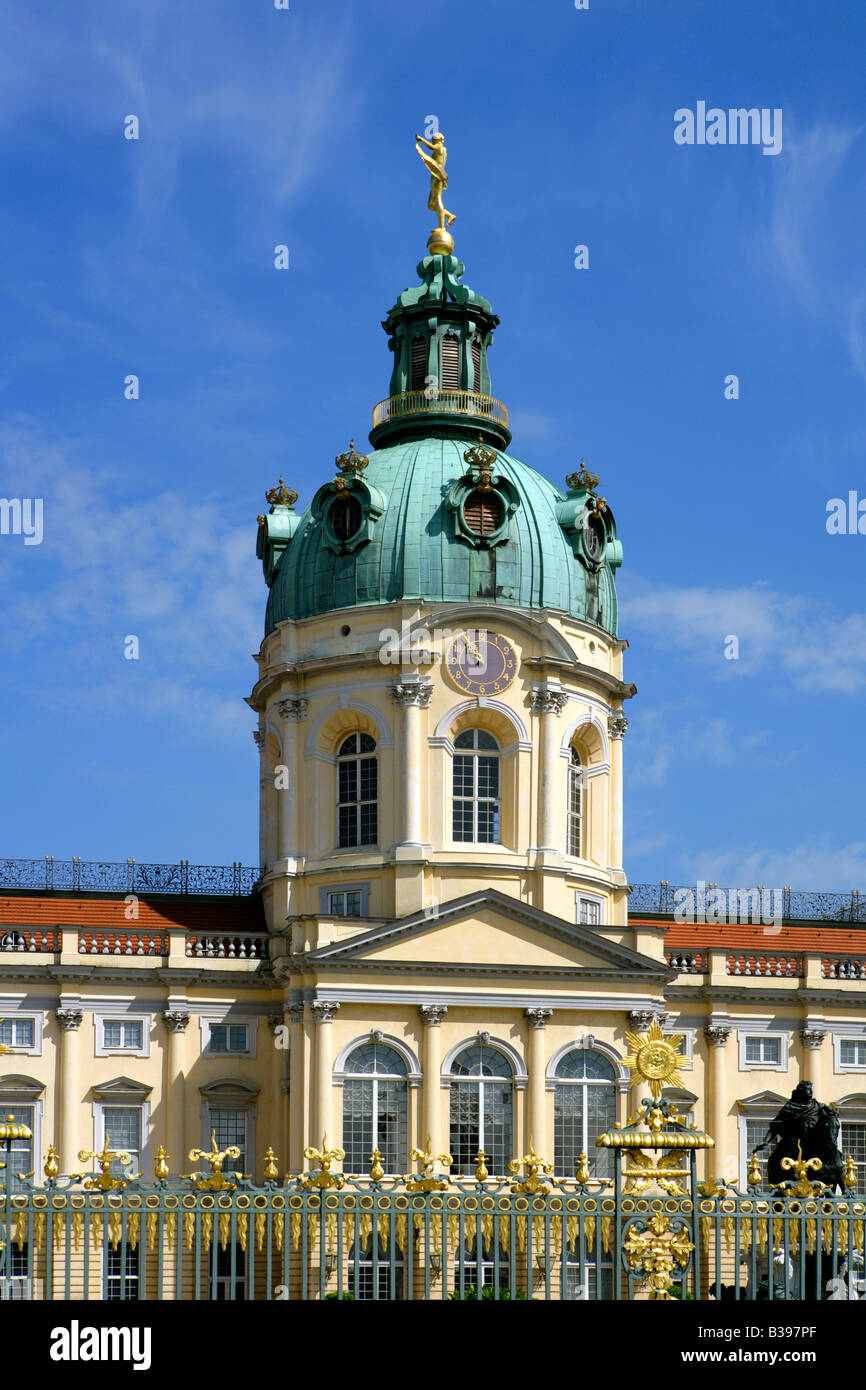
(170, 569)
(801, 640)
(813, 866)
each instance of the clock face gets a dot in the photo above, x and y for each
(481, 663)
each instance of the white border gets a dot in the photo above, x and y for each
(116, 1016)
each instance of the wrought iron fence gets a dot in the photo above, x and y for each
(795, 906)
(327, 1235)
(78, 875)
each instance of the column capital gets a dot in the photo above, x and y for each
(69, 1019)
(642, 1018)
(258, 738)
(175, 1020)
(545, 701)
(294, 708)
(275, 1021)
(405, 693)
(537, 1018)
(812, 1037)
(323, 1010)
(295, 1012)
(431, 1014)
(717, 1034)
(616, 725)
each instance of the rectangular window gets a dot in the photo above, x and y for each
(122, 1034)
(450, 349)
(755, 1133)
(763, 1051)
(852, 1138)
(20, 1159)
(17, 1032)
(344, 904)
(590, 913)
(575, 826)
(228, 1037)
(121, 1128)
(122, 1272)
(230, 1128)
(852, 1052)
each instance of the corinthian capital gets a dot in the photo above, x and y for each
(717, 1034)
(616, 725)
(405, 693)
(537, 1018)
(294, 708)
(69, 1019)
(323, 1010)
(175, 1020)
(543, 701)
(812, 1037)
(432, 1014)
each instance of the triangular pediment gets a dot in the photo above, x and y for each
(505, 935)
(764, 1098)
(121, 1088)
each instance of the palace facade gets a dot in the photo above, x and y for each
(439, 945)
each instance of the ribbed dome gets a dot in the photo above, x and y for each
(421, 539)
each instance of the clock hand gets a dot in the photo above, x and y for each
(474, 651)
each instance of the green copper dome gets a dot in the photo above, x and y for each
(437, 512)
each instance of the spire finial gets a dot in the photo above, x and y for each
(440, 242)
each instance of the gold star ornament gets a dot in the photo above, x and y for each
(654, 1058)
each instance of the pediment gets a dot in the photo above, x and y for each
(763, 1098)
(121, 1088)
(506, 935)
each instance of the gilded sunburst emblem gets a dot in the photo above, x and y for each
(654, 1058)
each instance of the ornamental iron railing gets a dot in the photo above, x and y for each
(654, 1232)
(76, 875)
(440, 402)
(749, 904)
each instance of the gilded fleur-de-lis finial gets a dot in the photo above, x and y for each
(270, 1169)
(429, 1180)
(324, 1157)
(160, 1165)
(215, 1158)
(534, 1165)
(582, 1171)
(481, 1173)
(754, 1176)
(377, 1172)
(849, 1175)
(106, 1182)
(801, 1167)
(281, 496)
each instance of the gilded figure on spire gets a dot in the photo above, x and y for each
(440, 241)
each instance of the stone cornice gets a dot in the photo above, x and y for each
(328, 970)
(590, 675)
(755, 992)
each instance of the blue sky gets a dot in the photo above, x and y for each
(155, 257)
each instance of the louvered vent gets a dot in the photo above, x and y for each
(450, 363)
(476, 366)
(483, 512)
(345, 518)
(419, 364)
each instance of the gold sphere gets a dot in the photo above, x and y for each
(440, 242)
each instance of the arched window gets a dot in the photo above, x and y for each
(357, 791)
(482, 1108)
(374, 1108)
(584, 1106)
(575, 805)
(476, 788)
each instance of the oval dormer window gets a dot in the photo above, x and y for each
(344, 518)
(483, 512)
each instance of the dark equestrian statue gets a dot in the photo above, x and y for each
(805, 1121)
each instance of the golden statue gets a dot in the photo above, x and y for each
(440, 242)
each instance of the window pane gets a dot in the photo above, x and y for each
(357, 1125)
(20, 1160)
(755, 1132)
(852, 1053)
(111, 1035)
(122, 1272)
(238, 1037)
(131, 1034)
(853, 1140)
(348, 781)
(368, 779)
(366, 744)
(369, 824)
(465, 1135)
(337, 904)
(218, 1037)
(348, 827)
(121, 1127)
(353, 904)
(753, 1049)
(230, 1127)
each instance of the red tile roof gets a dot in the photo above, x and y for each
(107, 914)
(742, 936)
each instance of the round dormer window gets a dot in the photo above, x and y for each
(344, 518)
